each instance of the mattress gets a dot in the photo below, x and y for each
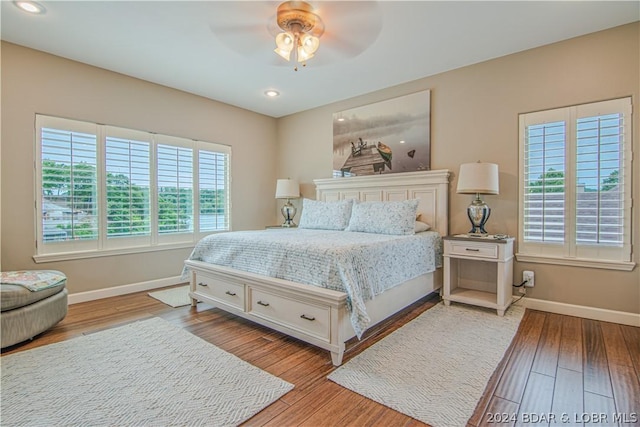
(362, 265)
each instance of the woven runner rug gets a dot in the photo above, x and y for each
(175, 297)
(146, 373)
(436, 367)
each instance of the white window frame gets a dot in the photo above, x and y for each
(108, 246)
(569, 252)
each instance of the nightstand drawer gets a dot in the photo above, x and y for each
(482, 250)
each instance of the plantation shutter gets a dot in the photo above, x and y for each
(599, 194)
(213, 189)
(175, 189)
(603, 180)
(544, 185)
(575, 187)
(68, 180)
(109, 190)
(128, 181)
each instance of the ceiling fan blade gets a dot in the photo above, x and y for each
(350, 26)
(348, 10)
(243, 39)
(235, 29)
(345, 47)
(243, 26)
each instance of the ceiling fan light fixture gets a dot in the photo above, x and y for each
(309, 43)
(284, 45)
(303, 55)
(283, 53)
(302, 29)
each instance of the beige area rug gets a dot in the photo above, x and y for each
(175, 297)
(147, 373)
(436, 367)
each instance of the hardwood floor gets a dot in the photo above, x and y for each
(586, 369)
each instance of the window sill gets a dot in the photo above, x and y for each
(67, 256)
(576, 262)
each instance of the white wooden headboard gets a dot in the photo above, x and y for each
(430, 187)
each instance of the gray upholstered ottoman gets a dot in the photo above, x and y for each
(32, 302)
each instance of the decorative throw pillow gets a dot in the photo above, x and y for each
(384, 217)
(420, 226)
(325, 215)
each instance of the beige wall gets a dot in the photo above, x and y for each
(35, 82)
(474, 116)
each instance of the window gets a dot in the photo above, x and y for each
(575, 185)
(69, 206)
(128, 182)
(107, 190)
(175, 183)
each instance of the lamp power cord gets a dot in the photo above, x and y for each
(519, 286)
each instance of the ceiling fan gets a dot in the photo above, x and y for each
(250, 28)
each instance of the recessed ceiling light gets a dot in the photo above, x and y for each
(30, 6)
(401, 142)
(341, 119)
(272, 93)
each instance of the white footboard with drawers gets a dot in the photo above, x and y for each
(313, 314)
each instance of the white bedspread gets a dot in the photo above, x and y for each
(360, 264)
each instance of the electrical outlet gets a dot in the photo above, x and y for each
(529, 278)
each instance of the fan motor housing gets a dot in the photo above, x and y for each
(299, 16)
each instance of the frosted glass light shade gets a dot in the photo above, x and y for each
(310, 43)
(285, 44)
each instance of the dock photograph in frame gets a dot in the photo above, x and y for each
(390, 136)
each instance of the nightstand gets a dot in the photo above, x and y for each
(279, 227)
(478, 271)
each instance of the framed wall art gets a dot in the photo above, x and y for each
(390, 136)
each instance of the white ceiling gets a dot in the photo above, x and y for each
(224, 50)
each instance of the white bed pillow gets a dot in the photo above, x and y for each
(325, 215)
(384, 217)
(420, 226)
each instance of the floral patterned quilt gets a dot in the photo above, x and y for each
(362, 265)
(34, 280)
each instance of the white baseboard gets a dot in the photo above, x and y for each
(624, 318)
(124, 289)
(594, 313)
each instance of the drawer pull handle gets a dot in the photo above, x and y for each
(305, 317)
(202, 284)
(233, 294)
(472, 250)
(264, 304)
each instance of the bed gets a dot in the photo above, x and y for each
(325, 317)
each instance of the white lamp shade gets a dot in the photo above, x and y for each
(478, 178)
(287, 189)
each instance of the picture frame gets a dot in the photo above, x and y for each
(390, 136)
